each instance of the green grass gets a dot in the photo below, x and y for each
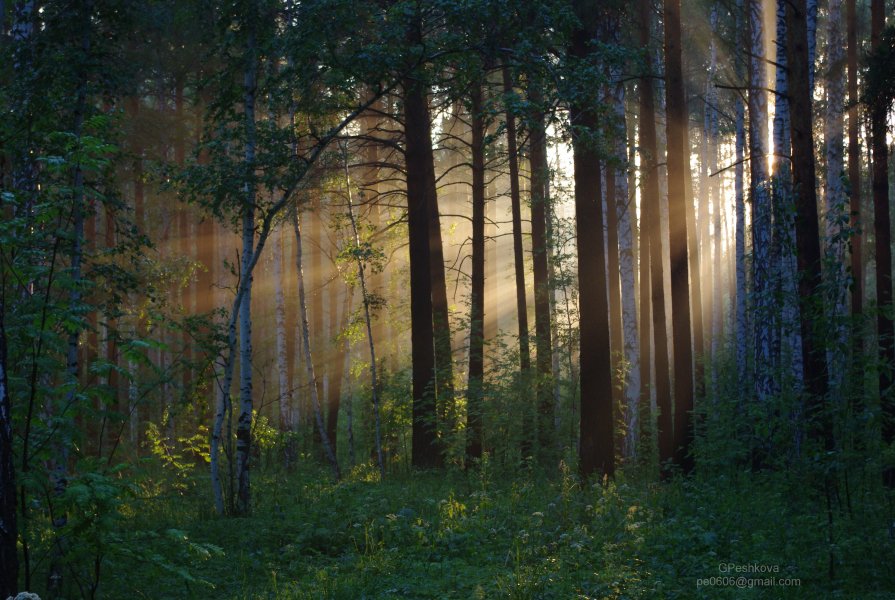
(509, 535)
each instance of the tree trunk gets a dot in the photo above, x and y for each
(615, 292)
(540, 204)
(762, 215)
(474, 393)
(650, 211)
(623, 206)
(244, 421)
(854, 171)
(420, 200)
(368, 320)
(835, 195)
(328, 450)
(516, 208)
(678, 166)
(596, 452)
(807, 231)
(283, 416)
(880, 186)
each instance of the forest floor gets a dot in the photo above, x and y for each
(486, 534)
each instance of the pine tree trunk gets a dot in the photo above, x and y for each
(420, 201)
(516, 208)
(807, 231)
(596, 452)
(623, 206)
(650, 212)
(881, 216)
(854, 172)
(678, 167)
(540, 205)
(835, 194)
(474, 393)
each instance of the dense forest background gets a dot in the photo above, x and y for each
(446, 298)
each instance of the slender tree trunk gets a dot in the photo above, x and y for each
(880, 186)
(650, 211)
(328, 449)
(835, 194)
(244, 421)
(615, 293)
(283, 416)
(596, 452)
(420, 200)
(368, 320)
(540, 205)
(623, 206)
(854, 174)
(516, 208)
(474, 394)
(717, 314)
(807, 231)
(678, 166)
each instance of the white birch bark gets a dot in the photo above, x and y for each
(762, 213)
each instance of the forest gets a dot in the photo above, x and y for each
(529, 299)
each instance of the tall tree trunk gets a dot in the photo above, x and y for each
(283, 385)
(715, 191)
(678, 166)
(474, 393)
(540, 205)
(880, 186)
(835, 194)
(184, 238)
(786, 338)
(615, 292)
(418, 159)
(368, 321)
(516, 208)
(807, 231)
(596, 452)
(244, 421)
(854, 171)
(741, 325)
(317, 303)
(623, 205)
(650, 211)
(444, 361)
(328, 450)
(762, 215)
